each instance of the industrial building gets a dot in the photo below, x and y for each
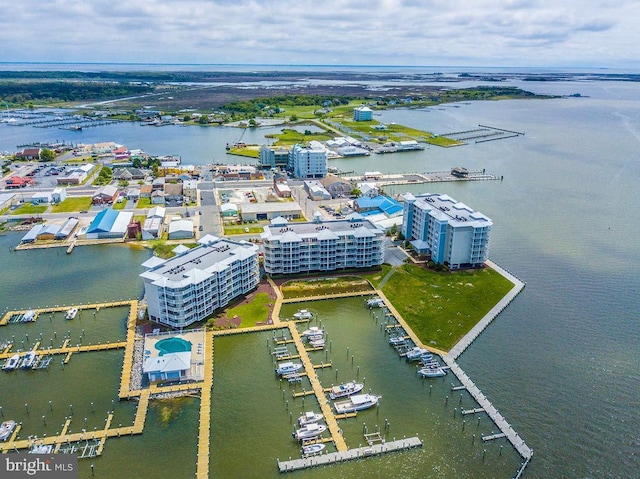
(191, 286)
(109, 223)
(447, 231)
(322, 245)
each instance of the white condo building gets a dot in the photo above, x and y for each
(448, 231)
(308, 161)
(322, 246)
(191, 286)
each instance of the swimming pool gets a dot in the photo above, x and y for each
(173, 345)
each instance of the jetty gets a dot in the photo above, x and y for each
(348, 455)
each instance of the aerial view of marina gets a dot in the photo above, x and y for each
(231, 250)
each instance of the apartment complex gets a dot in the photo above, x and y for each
(192, 285)
(308, 161)
(362, 113)
(449, 232)
(291, 248)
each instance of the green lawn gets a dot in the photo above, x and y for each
(240, 229)
(323, 286)
(254, 311)
(376, 276)
(144, 203)
(29, 209)
(442, 307)
(120, 206)
(290, 137)
(72, 205)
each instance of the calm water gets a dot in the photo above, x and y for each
(560, 363)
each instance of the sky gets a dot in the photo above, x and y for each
(519, 33)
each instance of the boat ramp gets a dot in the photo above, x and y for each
(350, 454)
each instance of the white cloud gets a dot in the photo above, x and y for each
(401, 32)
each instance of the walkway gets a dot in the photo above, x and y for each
(202, 470)
(310, 369)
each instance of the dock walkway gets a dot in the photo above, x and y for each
(202, 467)
(348, 455)
(310, 369)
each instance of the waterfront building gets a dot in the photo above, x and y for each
(322, 246)
(193, 285)
(362, 113)
(267, 211)
(366, 205)
(308, 161)
(273, 157)
(337, 187)
(109, 223)
(181, 229)
(448, 231)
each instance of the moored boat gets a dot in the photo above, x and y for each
(312, 449)
(416, 353)
(432, 372)
(11, 363)
(346, 389)
(303, 314)
(71, 313)
(28, 360)
(309, 431)
(357, 402)
(29, 316)
(6, 428)
(41, 449)
(397, 340)
(288, 368)
(374, 303)
(310, 417)
(312, 331)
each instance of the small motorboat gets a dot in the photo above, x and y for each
(29, 316)
(310, 417)
(312, 331)
(356, 403)
(432, 372)
(375, 303)
(414, 354)
(28, 360)
(288, 368)
(397, 340)
(316, 343)
(309, 431)
(41, 449)
(11, 363)
(303, 314)
(71, 313)
(346, 389)
(313, 449)
(6, 428)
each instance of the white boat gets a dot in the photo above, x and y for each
(309, 431)
(71, 313)
(312, 331)
(12, 362)
(313, 449)
(310, 417)
(29, 316)
(416, 353)
(288, 368)
(396, 340)
(28, 360)
(431, 372)
(303, 314)
(41, 449)
(316, 343)
(375, 303)
(356, 403)
(6, 428)
(346, 389)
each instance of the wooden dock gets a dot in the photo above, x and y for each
(348, 455)
(330, 419)
(202, 466)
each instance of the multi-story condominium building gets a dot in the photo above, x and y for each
(308, 162)
(362, 113)
(273, 157)
(449, 232)
(322, 246)
(191, 286)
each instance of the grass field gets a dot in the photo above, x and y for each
(71, 205)
(324, 286)
(143, 203)
(252, 312)
(441, 308)
(29, 209)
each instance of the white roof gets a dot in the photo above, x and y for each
(168, 363)
(180, 249)
(158, 211)
(180, 225)
(121, 224)
(228, 207)
(153, 262)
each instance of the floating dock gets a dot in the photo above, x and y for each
(348, 455)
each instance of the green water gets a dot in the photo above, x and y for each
(252, 418)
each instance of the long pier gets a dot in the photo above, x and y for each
(310, 369)
(202, 467)
(348, 455)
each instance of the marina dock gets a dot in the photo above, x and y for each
(348, 455)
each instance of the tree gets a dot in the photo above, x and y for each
(136, 162)
(47, 155)
(356, 192)
(293, 118)
(252, 123)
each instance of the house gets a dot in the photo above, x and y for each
(168, 367)
(336, 186)
(282, 189)
(173, 191)
(58, 195)
(128, 174)
(108, 194)
(190, 190)
(368, 189)
(145, 191)
(316, 191)
(181, 229)
(157, 197)
(29, 154)
(228, 210)
(133, 194)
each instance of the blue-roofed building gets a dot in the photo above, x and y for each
(378, 204)
(109, 223)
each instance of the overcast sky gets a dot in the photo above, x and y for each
(591, 33)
